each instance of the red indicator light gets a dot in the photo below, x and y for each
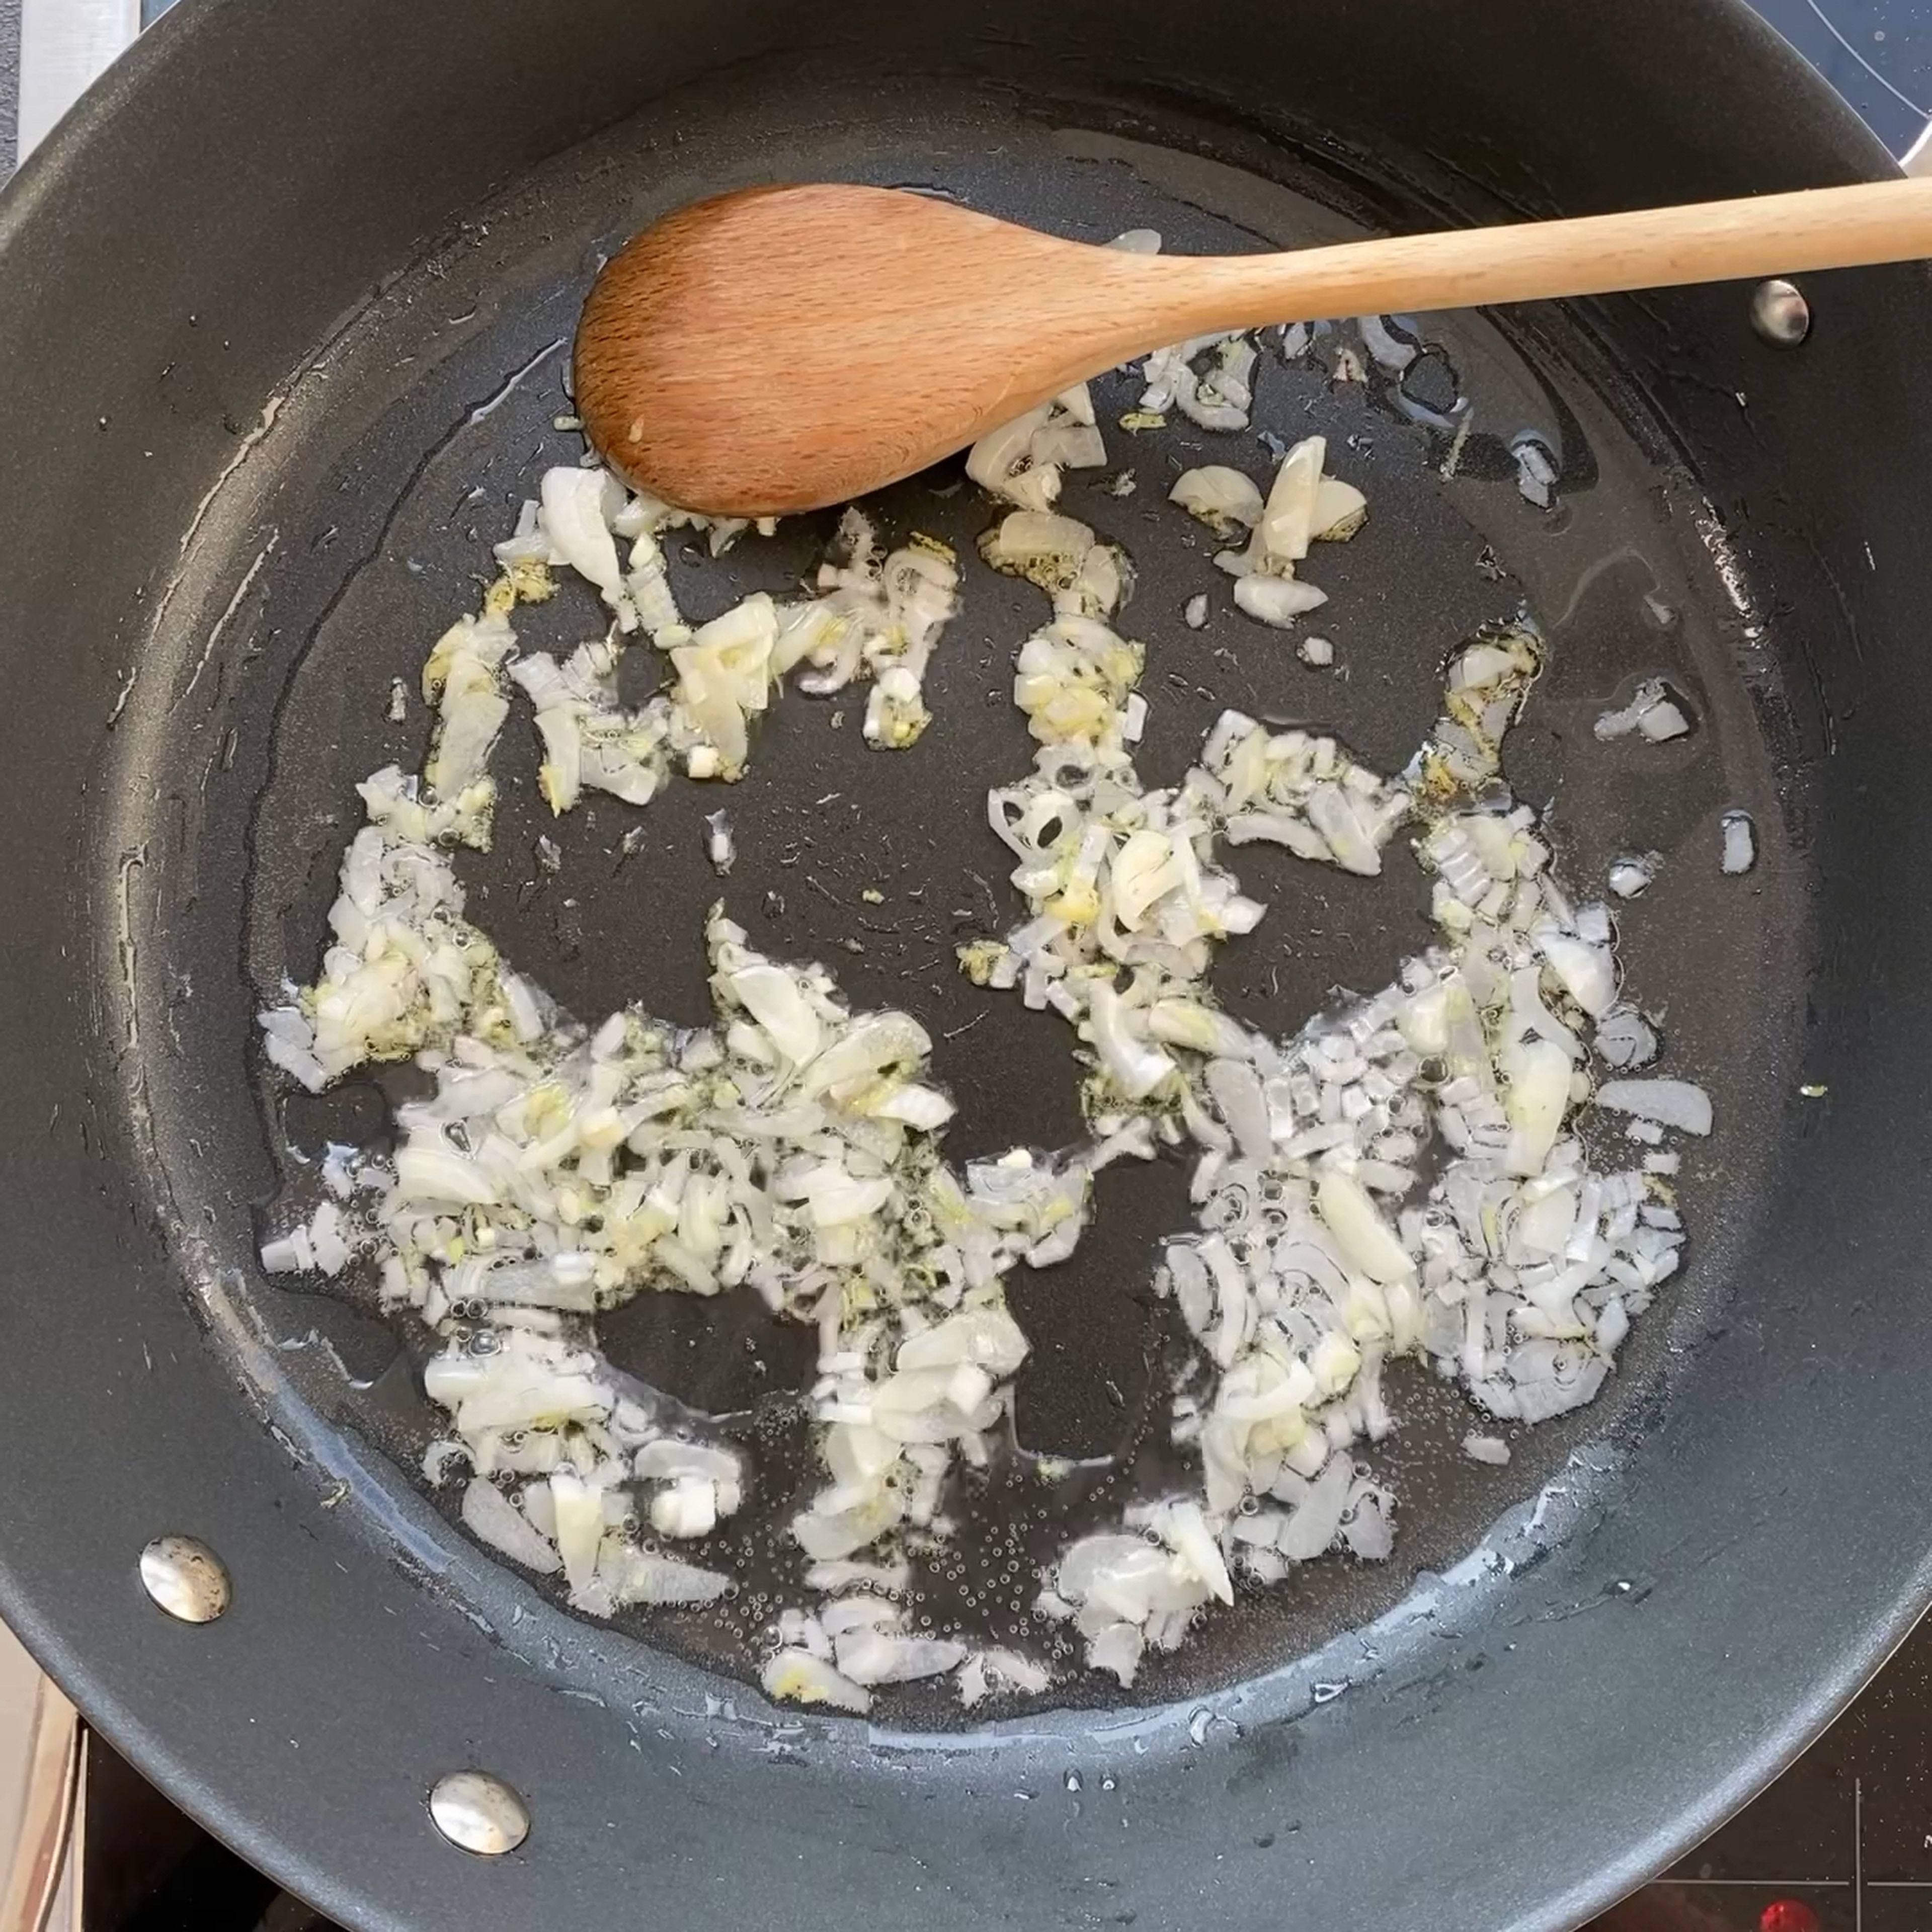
(1787, 1915)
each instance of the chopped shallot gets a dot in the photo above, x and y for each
(1404, 1177)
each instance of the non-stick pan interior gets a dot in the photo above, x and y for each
(353, 523)
(436, 418)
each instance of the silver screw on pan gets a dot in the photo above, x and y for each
(1779, 313)
(477, 1812)
(186, 1579)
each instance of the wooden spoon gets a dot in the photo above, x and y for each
(782, 348)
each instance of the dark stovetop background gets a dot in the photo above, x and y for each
(1843, 1843)
(1877, 54)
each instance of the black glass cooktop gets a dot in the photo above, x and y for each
(1877, 54)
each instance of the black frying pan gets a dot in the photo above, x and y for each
(262, 299)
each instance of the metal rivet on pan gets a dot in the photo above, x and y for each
(477, 1812)
(1779, 313)
(186, 1578)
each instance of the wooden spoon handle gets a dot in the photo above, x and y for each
(1704, 241)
